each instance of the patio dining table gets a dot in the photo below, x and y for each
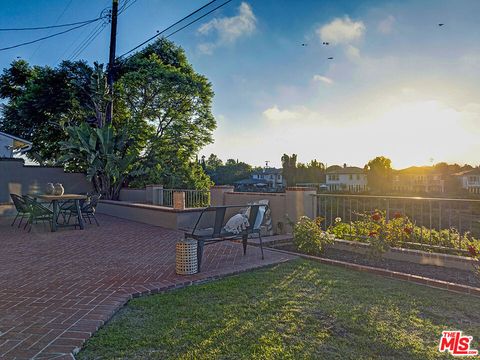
(55, 199)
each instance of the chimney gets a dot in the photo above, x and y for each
(344, 165)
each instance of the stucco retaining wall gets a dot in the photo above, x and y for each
(17, 178)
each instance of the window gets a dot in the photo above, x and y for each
(358, 177)
(350, 177)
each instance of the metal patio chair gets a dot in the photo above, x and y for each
(87, 208)
(37, 212)
(216, 233)
(21, 207)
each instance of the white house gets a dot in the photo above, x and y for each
(11, 145)
(273, 177)
(470, 180)
(347, 178)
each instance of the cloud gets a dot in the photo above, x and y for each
(300, 114)
(228, 29)
(352, 52)
(386, 25)
(275, 114)
(341, 31)
(323, 79)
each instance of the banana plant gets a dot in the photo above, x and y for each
(105, 154)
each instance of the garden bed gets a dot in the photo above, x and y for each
(458, 276)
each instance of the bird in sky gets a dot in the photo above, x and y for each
(441, 24)
(325, 43)
(303, 44)
(330, 58)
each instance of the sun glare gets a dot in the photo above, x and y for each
(418, 133)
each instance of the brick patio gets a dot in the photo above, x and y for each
(57, 289)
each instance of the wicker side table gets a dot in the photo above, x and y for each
(186, 257)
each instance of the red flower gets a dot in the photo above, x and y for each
(373, 233)
(472, 250)
(376, 216)
(408, 230)
(397, 215)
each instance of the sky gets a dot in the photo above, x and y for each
(399, 85)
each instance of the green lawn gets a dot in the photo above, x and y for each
(298, 310)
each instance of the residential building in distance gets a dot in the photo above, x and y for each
(10, 145)
(267, 179)
(346, 179)
(272, 176)
(470, 180)
(418, 179)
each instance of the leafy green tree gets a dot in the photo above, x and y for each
(168, 105)
(161, 106)
(228, 173)
(213, 162)
(43, 101)
(379, 171)
(233, 171)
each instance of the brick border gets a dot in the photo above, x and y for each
(419, 280)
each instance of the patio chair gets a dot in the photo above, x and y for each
(217, 233)
(37, 212)
(21, 207)
(87, 208)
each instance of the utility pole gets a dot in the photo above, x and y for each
(111, 62)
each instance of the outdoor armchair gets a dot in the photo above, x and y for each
(87, 208)
(21, 207)
(37, 212)
(210, 226)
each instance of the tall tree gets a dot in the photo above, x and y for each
(168, 104)
(289, 169)
(379, 172)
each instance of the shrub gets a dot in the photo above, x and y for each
(308, 236)
(399, 231)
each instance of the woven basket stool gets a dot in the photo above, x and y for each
(186, 260)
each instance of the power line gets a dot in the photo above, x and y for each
(56, 22)
(82, 42)
(86, 43)
(176, 23)
(47, 37)
(125, 6)
(197, 19)
(97, 31)
(49, 26)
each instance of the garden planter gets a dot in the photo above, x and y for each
(415, 256)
